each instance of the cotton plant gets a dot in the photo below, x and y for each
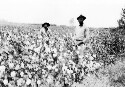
(2, 70)
(5, 81)
(20, 82)
(28, 81)
(13, 74)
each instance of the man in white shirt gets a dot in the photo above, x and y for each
(46, 32)
(81, 33)
(46, 28)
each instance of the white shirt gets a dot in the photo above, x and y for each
(43, 30)
(80, 32)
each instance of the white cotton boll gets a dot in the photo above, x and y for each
(60, 57)
(17, 67)
(22, 74)
(2, 68)
(74, 47)
(77, 52)
(29, 75)
(10, 57)
(38, 82)
(5, 81)
(87, 55)
(22, 65)
(97, 65)
(80, 56)
(1, 58)
(64, 68)
(69, 71)
(49, 67)
(49, 79)
(28, 81)
(61, 48)
(68, 51)
(55, 54)
(37, 49)
(70, 61)
(42, 55)
(11, 65)
(13, 74)
(94, 55)
(91, 63)
(79, 47)
(20, 81)
(56, 69)
(47, 49)
(65, 54)
(55, 50)
(91, 58)
(88, 75)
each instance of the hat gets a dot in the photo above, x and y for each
(81, 16)
(47, 24)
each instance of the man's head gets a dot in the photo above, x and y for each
(80, 19)
(45, 25)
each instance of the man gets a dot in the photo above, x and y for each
(46, 31)
(81, 33)
(45, 26)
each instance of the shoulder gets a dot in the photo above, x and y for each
(49, 30)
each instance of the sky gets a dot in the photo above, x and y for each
(99, 13)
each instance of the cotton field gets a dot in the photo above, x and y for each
(34, 60)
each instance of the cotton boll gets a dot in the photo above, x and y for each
(10, 56)
(17, 67)
(47, 49)
(20, 81)
(11, 65)
(13, 74)
(60, 57)
(77, 52)
(22, 74)
(68, 51)
(38, 82)
(56, 69)
(88, 75)
(28, 81)
(2, 68)
(79, 47)
(69, 71)
(80, 56)
(83, 63)
(94, 55)
(49, 67)
(5, 81)
(55, 50)
(49, 79)
(65, 54)
(74, 47)
(87, 55)
(55, 54)
(97, 65)
(22, 65)
(90, 58)
(29, 75)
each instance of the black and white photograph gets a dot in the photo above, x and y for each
(62, 43)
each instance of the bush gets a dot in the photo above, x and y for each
(108, 45)
(121, 21)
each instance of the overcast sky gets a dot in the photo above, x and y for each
(99, 13)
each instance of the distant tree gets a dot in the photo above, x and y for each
(71, 22)
(121, 21)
